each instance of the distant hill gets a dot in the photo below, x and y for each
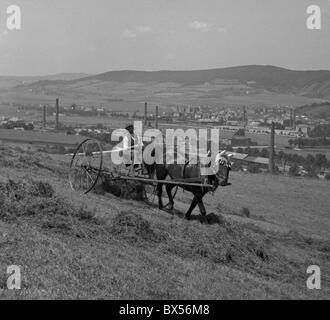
(58, 76)
(7, 82)
(312, 84)
(309, 83)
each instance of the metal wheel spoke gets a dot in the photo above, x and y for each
(86, 167)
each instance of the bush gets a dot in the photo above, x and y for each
(312, 174)
(253, 168)
(294, 170)
(237, 166)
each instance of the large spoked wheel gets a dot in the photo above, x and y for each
(150, 189)
(86, 166)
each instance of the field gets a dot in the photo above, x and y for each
(130, 96)
(105, 246)
(304, 152)
(277, 202)
(39, 137)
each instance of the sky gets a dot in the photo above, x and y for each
(103, 35)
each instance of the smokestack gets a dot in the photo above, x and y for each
(57, 114)
(44, 117)
(244, 115)
(271, 150)
(145, 113)
(156, 117)
(293, 118)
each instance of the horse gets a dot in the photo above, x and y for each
(219, 176)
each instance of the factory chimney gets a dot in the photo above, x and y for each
(271, 150)
(57, 115)
(294, 119)
(145, 113)
(44, 117)
(156, 117)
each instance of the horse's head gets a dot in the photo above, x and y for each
(222, 166)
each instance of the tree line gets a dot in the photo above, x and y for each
(312, 165)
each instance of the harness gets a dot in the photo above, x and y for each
(203, 179)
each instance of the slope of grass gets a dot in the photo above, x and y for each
(102, 246)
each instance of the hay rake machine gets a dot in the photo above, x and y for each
(88, 166)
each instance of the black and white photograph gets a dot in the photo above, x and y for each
(164, 154)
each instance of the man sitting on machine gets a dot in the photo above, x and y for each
(135, 141)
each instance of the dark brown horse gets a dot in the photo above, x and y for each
(192, 173)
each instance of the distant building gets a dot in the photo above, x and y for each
(287, 123)
(254, 123)
(303, 129)
(233, 123)
(240, 141)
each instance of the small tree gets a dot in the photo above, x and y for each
(292, 142)
(294, 170)
(240, 133)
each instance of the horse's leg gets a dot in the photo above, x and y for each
(169, 188)
(202, 209)
(160, 195)
(161, 173)
(192, 207)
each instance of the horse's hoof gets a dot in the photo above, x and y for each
(203, 220)
(187, 217)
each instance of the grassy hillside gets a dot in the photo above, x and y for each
(103, 246)
(310, 83)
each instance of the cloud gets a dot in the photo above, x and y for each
(143, 29)
(206, 27)
(129, 34)
(170, 56)
(136, 31)
(200, 26)
(222, 30)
